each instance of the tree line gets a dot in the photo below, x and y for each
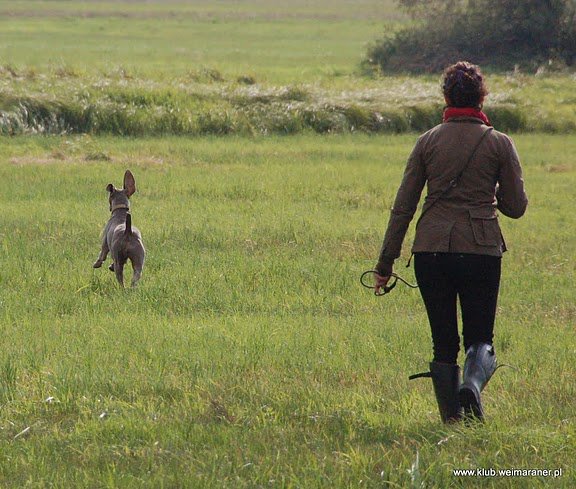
(502, 34)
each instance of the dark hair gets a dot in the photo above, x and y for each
(463, 85)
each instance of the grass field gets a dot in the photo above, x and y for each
(278, 41)
(250, 356)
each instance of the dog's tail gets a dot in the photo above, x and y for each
(128, 230)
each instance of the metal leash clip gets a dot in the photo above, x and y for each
(386, 288)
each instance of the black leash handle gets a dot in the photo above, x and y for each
(386, 288)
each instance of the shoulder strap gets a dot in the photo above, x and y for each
(454, 182)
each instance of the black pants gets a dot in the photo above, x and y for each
(473, 280)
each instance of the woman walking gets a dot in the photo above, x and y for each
(470, 171)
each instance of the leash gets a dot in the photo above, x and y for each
(386, 288)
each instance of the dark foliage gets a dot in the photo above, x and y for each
(497, 33)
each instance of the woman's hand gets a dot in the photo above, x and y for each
(380, 281)
(383, 273)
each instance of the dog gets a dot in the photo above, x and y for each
(122, 240)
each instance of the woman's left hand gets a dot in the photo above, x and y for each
(380, 282)
(382, 275)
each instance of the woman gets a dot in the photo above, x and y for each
(470, 171)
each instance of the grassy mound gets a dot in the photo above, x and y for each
(57, 104)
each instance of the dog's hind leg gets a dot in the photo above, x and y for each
(137, 266)
(119, 271)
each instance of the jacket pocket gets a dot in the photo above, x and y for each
(485, 227)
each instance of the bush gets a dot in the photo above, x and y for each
(498, 33)
(507, 118)
(218, 123)
(325, 120)
(359, 118)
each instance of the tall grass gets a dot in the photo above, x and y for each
(144, 107)
(249, 355)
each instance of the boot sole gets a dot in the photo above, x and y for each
(470, 404)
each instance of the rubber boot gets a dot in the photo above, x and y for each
(446, 381)
(479, 366)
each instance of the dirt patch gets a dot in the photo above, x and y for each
(39, 160)
(56, 158)
(206, 16)
(559, 168)
(143, 162)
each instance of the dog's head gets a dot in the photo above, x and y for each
(119, 197)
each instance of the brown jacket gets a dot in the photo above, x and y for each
(463, 220)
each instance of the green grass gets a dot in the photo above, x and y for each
(250, 356)
(279, 41)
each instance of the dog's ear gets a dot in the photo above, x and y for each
(129, 183)
(110, 188)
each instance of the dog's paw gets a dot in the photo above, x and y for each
(97, 264)
(111, 267)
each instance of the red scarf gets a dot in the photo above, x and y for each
(451, 112)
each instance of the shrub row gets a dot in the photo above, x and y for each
(37, 117)
(287, 113)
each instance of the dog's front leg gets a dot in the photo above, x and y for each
(103, 254)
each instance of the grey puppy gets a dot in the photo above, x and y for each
(121, 239)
